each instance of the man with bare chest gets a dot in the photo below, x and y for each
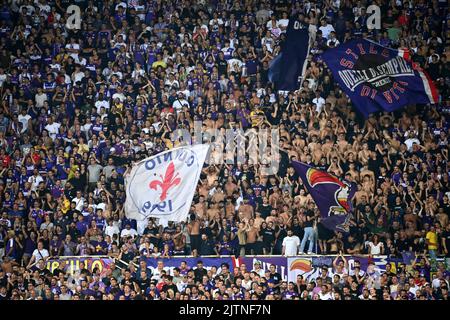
(245, 211)
(229, 208)
(200, 207)
(213, 212)
(252, 236)
(194, 232)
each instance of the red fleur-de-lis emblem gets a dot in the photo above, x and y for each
(168, 181)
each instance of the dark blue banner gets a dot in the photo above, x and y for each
(377, 78)
(285, 69)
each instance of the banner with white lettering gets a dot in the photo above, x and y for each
(290, 64)
(162, 186)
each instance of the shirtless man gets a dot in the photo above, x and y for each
(273, 217)
(229, 208)
(316, 149)
(303, 198)
(252, 235)
(203, 190)
(342, 143)
(212, 174)
(193, 229)
(230, 186)
(200, 207)
(353, 172)
(219, 195)
(285, 216)
(245, 211)
(179, 240)
(274, 198)
(213, 211)
(258, 220)
(442, 217)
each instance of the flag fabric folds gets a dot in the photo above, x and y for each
(163, 186)
(377, 78)
(332, 196)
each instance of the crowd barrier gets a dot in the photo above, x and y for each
(308, 266)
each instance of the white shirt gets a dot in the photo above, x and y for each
(130, 232)
(53, 129)
(119, 96)
(235, 64)
(179, 104)
(79, 203)
(291, 245)
(409, 143)
(35, 181)
(326, 30)
(40, 99)
(319, 102)
(42, 254)
(2, 79)
(102, 103)
(247, 284)
(78, 76)
(375, 249)
(24, 120)
(326, 296)
(260, 272)
(111, 230)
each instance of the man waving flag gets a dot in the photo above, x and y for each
(331, 195)
(162, 186)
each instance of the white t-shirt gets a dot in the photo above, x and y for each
(375, 249)
(111, 230)
(326, 296)
(319, 102)
(35, 181)
(291, 245)
(24, 119)
(2, 79)
(260, 272)
(102, 103)
(283, 23)
(409, 143)
(179, 104)
(42, 254)
(53, 129)
(130, 232)
(326, 30)
(40, 99)
(79, 203)
(78, 76)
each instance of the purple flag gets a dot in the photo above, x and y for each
(331, 195)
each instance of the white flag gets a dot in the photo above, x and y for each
(162, 186)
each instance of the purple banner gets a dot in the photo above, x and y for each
(279, 262)
(191, 263)
(73, 263)
(310, 267)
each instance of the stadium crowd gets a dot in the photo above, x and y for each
(79, 106)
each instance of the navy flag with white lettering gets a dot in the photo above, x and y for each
(285, 69)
